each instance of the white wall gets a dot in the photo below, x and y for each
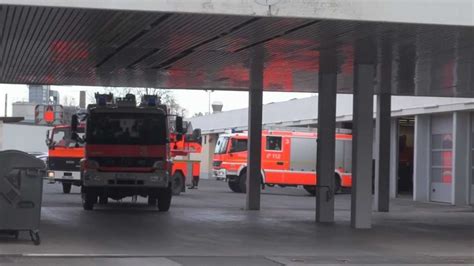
(26, 110)
(27, 138)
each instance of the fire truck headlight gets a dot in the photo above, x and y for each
(50, 174)
(157, 179)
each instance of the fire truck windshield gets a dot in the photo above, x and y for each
(221, 145)
(126, 129)
(62, 137)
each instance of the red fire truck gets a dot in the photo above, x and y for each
(185, 170)
(64, 155)
(127, 150)
(288, 159)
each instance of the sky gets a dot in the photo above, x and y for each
(194, 101)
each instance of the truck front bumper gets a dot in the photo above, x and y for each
(112, 179)
(219, 174)
(63, 176)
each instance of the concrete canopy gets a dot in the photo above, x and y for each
(202, 44)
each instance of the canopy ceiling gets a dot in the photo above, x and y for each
(98, 47)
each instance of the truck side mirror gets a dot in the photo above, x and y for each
(179, 125)
(74, 125)
(48, 139)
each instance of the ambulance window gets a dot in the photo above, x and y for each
(273, 143)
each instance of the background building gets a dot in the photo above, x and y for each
(433, 168)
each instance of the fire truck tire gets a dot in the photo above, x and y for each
(178, 183)
(103, 200)
(88, 201)
(67, 188)
(152, 201)
(164, 199)
(243, 182)
(338, 186)
(234, 186)
(310, 189)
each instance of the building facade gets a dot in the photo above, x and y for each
(432, 141)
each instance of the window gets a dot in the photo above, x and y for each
(441, 149)
(62, 137)
(221, 146)
(273, 143)
(238, 145)
(126, 129)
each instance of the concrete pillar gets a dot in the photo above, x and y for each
(394, 158)
(421, 161)
(325, 162)
(361, 204)
(255, 129)
(382, 162)
(207, 155)
(1, 135)
(461, 162)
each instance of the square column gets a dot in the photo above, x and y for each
(362, 138)
(326, 142)
(255, 130)
(394, 158)
(461, 163)
(382, 163)
(421, 161)
(383, 124)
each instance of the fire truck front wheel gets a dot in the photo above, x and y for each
(164, 199)
(67, 187)
(242, 181)
(234, 186)
(88, 200)
(178, 183)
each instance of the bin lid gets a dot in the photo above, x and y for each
(13, 159)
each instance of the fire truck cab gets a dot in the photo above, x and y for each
(64, 156)
(288, 159)
(127, 150)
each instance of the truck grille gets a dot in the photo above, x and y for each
(126, 161)
(64, 164)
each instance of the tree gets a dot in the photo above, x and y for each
(198, 114)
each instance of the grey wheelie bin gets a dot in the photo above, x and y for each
(21, 189)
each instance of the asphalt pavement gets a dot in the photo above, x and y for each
(209, 226)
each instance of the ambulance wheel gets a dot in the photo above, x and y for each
(88, 201)
(234, 186)
(164, 199)
(310, 189)
(67, 188)
(178, 183)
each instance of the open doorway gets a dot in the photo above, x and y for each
(406, 132)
